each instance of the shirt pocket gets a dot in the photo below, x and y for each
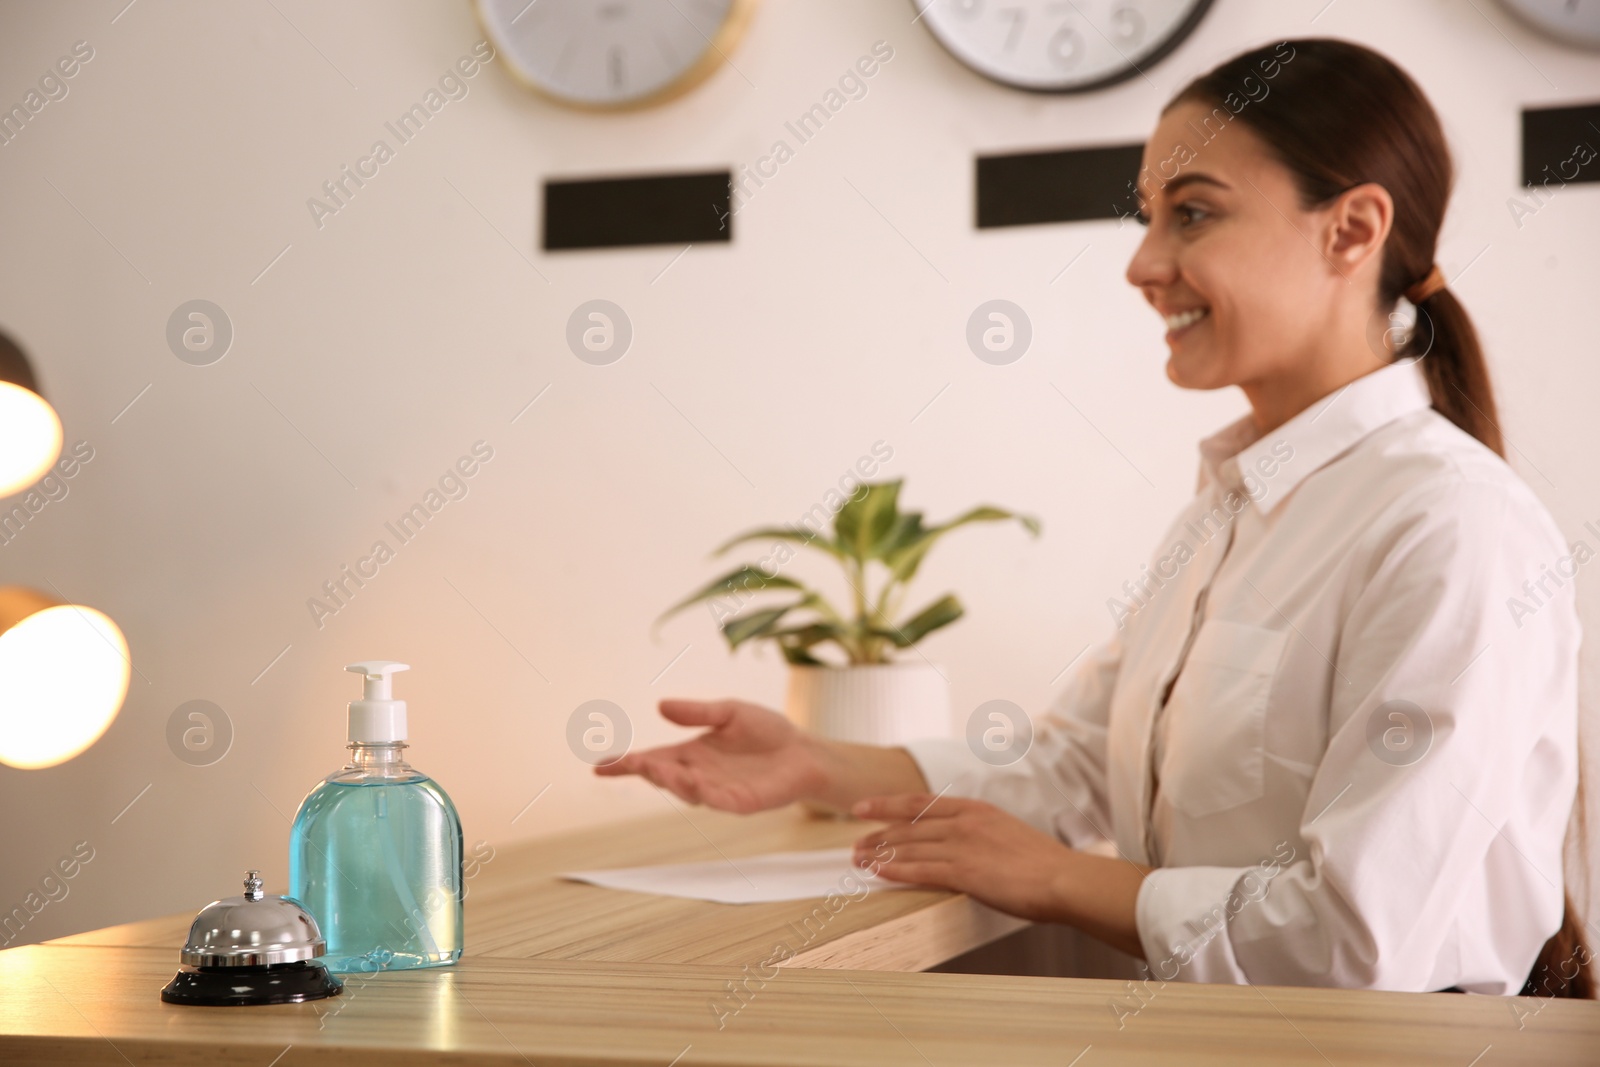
(1212, 757)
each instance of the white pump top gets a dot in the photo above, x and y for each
(376, 717)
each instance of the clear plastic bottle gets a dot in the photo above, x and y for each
(375, 853)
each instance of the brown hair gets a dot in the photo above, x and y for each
(1337, 115)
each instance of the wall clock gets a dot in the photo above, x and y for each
(613, 53)
(1574, 22)
(1060, 46)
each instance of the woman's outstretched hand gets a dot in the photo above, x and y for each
(751, 758)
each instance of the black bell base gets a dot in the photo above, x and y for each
(284, 983)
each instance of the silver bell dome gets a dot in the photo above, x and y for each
(252, 930)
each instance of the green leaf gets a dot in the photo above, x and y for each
(746, 579)
(764, 623)
(742, 628)
(907, 528)
(797, 534)
(906, 556)
(798, 656)
(942, 612)
(798, 641)
(866, 519)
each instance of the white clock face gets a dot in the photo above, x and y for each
(1570, 21)
(608, 53)
(1060, 45)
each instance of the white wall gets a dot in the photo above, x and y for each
(406, 328)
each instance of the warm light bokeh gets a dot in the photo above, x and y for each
(64, 672)
(30, 438)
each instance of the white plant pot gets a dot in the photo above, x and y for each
(870, 704)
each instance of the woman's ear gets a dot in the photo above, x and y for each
(1358, 223)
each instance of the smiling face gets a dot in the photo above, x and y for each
(1252, 287)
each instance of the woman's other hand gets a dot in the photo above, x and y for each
(975, 848)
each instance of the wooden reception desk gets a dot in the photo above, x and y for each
(559, 972)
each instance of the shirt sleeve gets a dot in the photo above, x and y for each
(1059, 783)
(1451, 750)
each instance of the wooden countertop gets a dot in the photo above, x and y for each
(566, 973)
(87, 1005)
(518, 909)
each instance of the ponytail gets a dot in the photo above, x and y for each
(1453, 364)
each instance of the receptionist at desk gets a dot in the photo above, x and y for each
(1333, 733)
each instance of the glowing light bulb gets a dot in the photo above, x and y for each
(30, 437)
(64, 674)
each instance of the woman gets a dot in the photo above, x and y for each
(1333, 737)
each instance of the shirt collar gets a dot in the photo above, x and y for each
(1267, 468)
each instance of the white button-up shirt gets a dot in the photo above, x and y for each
(1338, 711)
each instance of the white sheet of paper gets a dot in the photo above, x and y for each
(748, 879)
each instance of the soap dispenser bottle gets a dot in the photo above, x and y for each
(375, 851)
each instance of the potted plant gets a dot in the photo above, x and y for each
(860, 692)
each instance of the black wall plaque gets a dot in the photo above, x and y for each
(1561, 145)
(641, 210)
(1062, 186)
